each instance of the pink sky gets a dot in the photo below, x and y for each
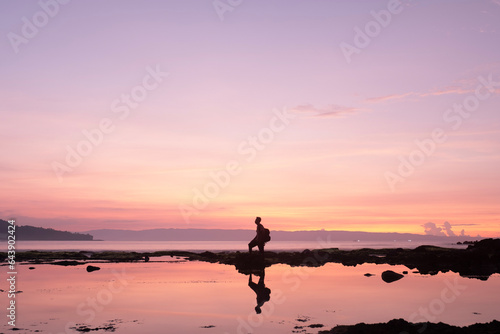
(323, 163)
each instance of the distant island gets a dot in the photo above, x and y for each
(27, 232)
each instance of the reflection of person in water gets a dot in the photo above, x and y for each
(263, 293)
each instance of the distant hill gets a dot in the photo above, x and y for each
(172, 234)
(27, 232)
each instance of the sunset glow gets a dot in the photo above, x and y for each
(159, 114)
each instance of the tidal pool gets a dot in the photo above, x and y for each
(169, 295)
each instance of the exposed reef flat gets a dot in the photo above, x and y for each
(398, 326)
(479, 260)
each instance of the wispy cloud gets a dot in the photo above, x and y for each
(442, 91)
(447, 90)
(458, 87)
(484, 30)
(388, 97)
(332, 110)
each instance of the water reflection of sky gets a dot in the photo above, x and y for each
(185, 297)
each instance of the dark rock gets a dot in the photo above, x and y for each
(92, 268)
(405, 272)
(369, 275)
(390, 276)
(492, 245)
(85, 328)
(248, 262)
(209, 255)
(67, 263)
(146, 258)
(31, 268)
(117, 256)
(397, 326)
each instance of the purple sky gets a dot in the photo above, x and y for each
(334, 165)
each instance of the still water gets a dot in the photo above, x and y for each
(169, 295)
(151, 246)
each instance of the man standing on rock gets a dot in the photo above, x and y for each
(263, 236)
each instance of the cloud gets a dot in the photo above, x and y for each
(444, 231)
(332, 110)
(432, 229)
(388, 97)
(457, 87)
(435, 92)
(449, 232)
(447, 90)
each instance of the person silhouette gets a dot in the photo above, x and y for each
(260, 238)
(263, 293)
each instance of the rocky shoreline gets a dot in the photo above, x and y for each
(478, 261)
(400, 326)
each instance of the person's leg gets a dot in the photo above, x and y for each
(252, 244)
(261, 248)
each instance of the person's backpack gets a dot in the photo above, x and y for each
(267, 235)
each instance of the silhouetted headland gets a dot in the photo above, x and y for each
(27, 232)
(479, 260)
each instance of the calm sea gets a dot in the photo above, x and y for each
(200, 246)
(165, 296)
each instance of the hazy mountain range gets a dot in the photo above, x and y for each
(246, 235)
